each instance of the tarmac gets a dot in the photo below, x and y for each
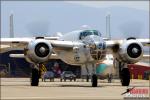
(20, 89)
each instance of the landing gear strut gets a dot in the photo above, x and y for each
(88, 75)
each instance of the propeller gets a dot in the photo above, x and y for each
(131, 29)
(116, 47)
(134, 50)
(38, 28)
(42, 50)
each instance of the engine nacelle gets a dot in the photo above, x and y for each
(38, 51)
(131, 51)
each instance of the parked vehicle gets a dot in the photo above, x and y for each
(68, 75)
(48, 75)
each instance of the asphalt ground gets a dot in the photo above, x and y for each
(20, 89)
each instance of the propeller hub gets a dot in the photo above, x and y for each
(134, 50)
(42, 50)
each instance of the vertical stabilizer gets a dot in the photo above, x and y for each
(11, 34)
(108, 35)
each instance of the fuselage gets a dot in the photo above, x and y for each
(89, 47)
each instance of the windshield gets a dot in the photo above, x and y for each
(85, 33)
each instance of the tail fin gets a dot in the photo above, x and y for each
(11, 34)
(108, 35)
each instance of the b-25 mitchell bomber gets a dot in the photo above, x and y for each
(78, 47)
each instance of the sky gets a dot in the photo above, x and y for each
(46, 18)
(142, 5)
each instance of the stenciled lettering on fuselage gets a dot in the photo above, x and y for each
(101, 46)
(76, 54)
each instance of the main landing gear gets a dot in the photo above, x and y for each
(125, 77)
(35, 75)
(124, 74)
(94, 77)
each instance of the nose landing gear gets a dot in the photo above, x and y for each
(94, 76)
(94, 80)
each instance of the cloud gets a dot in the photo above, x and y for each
(141, 5)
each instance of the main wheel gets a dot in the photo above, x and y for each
(125, 77)
(35, 77)
(94, 80)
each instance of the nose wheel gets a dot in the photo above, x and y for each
(94, 76)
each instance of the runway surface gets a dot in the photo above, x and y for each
(20, 89)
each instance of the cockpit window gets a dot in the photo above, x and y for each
(85, 33)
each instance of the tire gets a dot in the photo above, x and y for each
(35, 77)
(94, 80)
(74, 79)
(125, 77)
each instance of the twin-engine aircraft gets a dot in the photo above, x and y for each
(79, 47)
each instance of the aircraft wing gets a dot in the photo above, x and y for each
(8, 44)
(113, 45)
(63, 45)
(145, 42)
(146, 56)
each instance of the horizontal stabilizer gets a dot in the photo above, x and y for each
(16, 55)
